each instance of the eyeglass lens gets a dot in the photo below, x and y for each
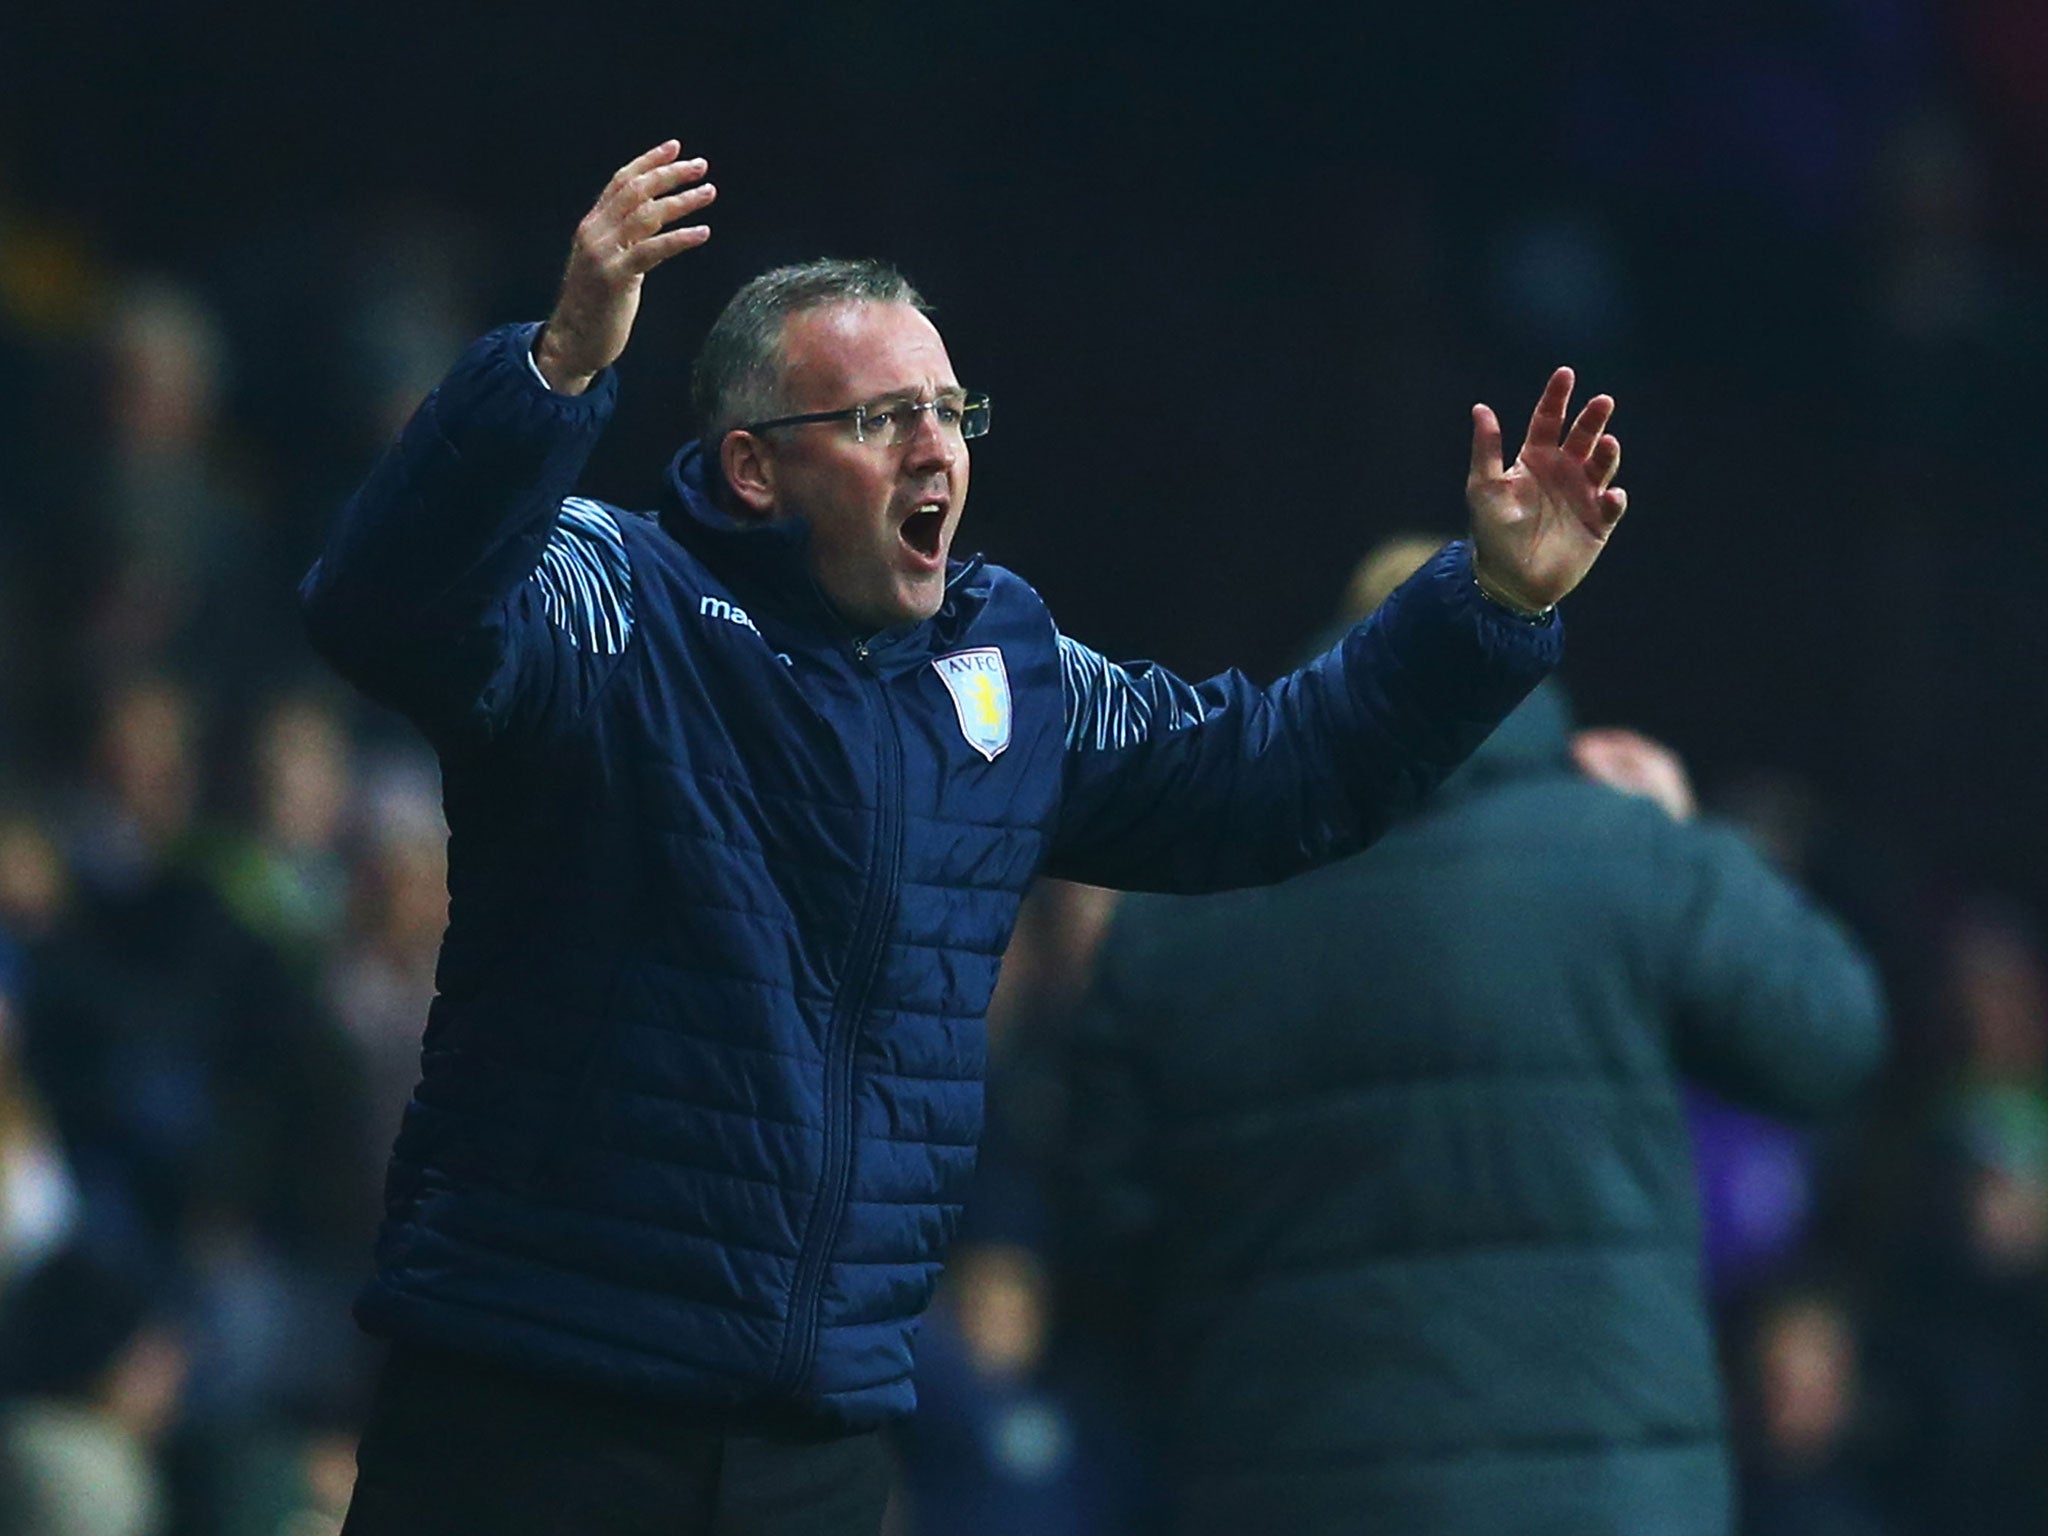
(894, 422)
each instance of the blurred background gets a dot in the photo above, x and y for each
(1234, 276)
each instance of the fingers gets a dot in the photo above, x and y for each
(660, 212)
(1546, 423)
(1486, 460)
(626, 202)
(650, 253)
(1585, 433)
(1613, 502)
(666, 150)
(1604, 461)
(626, 233)
(655, 182)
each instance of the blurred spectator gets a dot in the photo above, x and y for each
(1391, 1159)
(381, 978)
(34, 884)
(132, 818)
(1998, 997)
(195, 1083)
(1809, 1471)
(91, 1375)
(177, 531)
(1011, 1437)
(1966, 1334)
(38, 1196)
(284, 877)
(412, 311)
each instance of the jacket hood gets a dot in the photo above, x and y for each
(773, 553)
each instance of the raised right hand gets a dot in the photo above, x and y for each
(625, 236)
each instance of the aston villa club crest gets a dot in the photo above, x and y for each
(981, 697)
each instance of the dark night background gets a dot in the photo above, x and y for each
(1234, 276)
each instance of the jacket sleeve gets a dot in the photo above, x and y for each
(1176, 787)
(1777, 1007)
(462, 583)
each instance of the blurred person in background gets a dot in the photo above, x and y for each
(282, 870)
(128, 824)
(380, 980)
(743, 799)
(176, 540)
(1962, 1339)
(155, 1023)
(1013, 1435)
(1811, 1464)
(92, 1373)
(1390, 1162)
(35, 886)
(38, 1195)
(208, 1107)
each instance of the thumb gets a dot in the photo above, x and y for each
(1486, 461)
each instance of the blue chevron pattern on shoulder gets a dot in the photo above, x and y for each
(585, 579)
(1110, 706)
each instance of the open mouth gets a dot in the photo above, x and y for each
(923, 529)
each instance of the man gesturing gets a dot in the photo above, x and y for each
(743, 796)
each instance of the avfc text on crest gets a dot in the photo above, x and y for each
(981, 696)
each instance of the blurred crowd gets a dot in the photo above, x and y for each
(221, 877)
(223, 896)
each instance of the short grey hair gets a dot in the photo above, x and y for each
(738, 373)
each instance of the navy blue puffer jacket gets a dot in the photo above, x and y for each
(729, 884)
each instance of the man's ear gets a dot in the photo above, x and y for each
(750, 471)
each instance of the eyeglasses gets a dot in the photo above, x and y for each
(892, 423)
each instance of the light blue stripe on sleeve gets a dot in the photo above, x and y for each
(1110, 707)
(585, 579)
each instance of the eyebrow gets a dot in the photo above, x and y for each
(912, 394)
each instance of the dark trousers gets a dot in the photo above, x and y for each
(456, 1448)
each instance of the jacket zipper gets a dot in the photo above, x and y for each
(800, 1340)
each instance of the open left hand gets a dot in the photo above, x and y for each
(1539, 524)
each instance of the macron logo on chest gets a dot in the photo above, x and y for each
(732, 613)
(719, 608)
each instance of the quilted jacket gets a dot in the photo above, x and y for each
(729, 883)
(1391, 1165)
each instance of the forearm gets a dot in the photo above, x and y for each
(458, 510)
(1428, 677)
(1227, 785)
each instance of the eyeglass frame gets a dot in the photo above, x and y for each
(970, 401)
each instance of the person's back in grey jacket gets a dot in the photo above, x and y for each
(1395, 1153)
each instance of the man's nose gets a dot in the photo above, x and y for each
(932, 446)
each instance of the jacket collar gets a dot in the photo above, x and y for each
(771, 562)
(771, 555)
